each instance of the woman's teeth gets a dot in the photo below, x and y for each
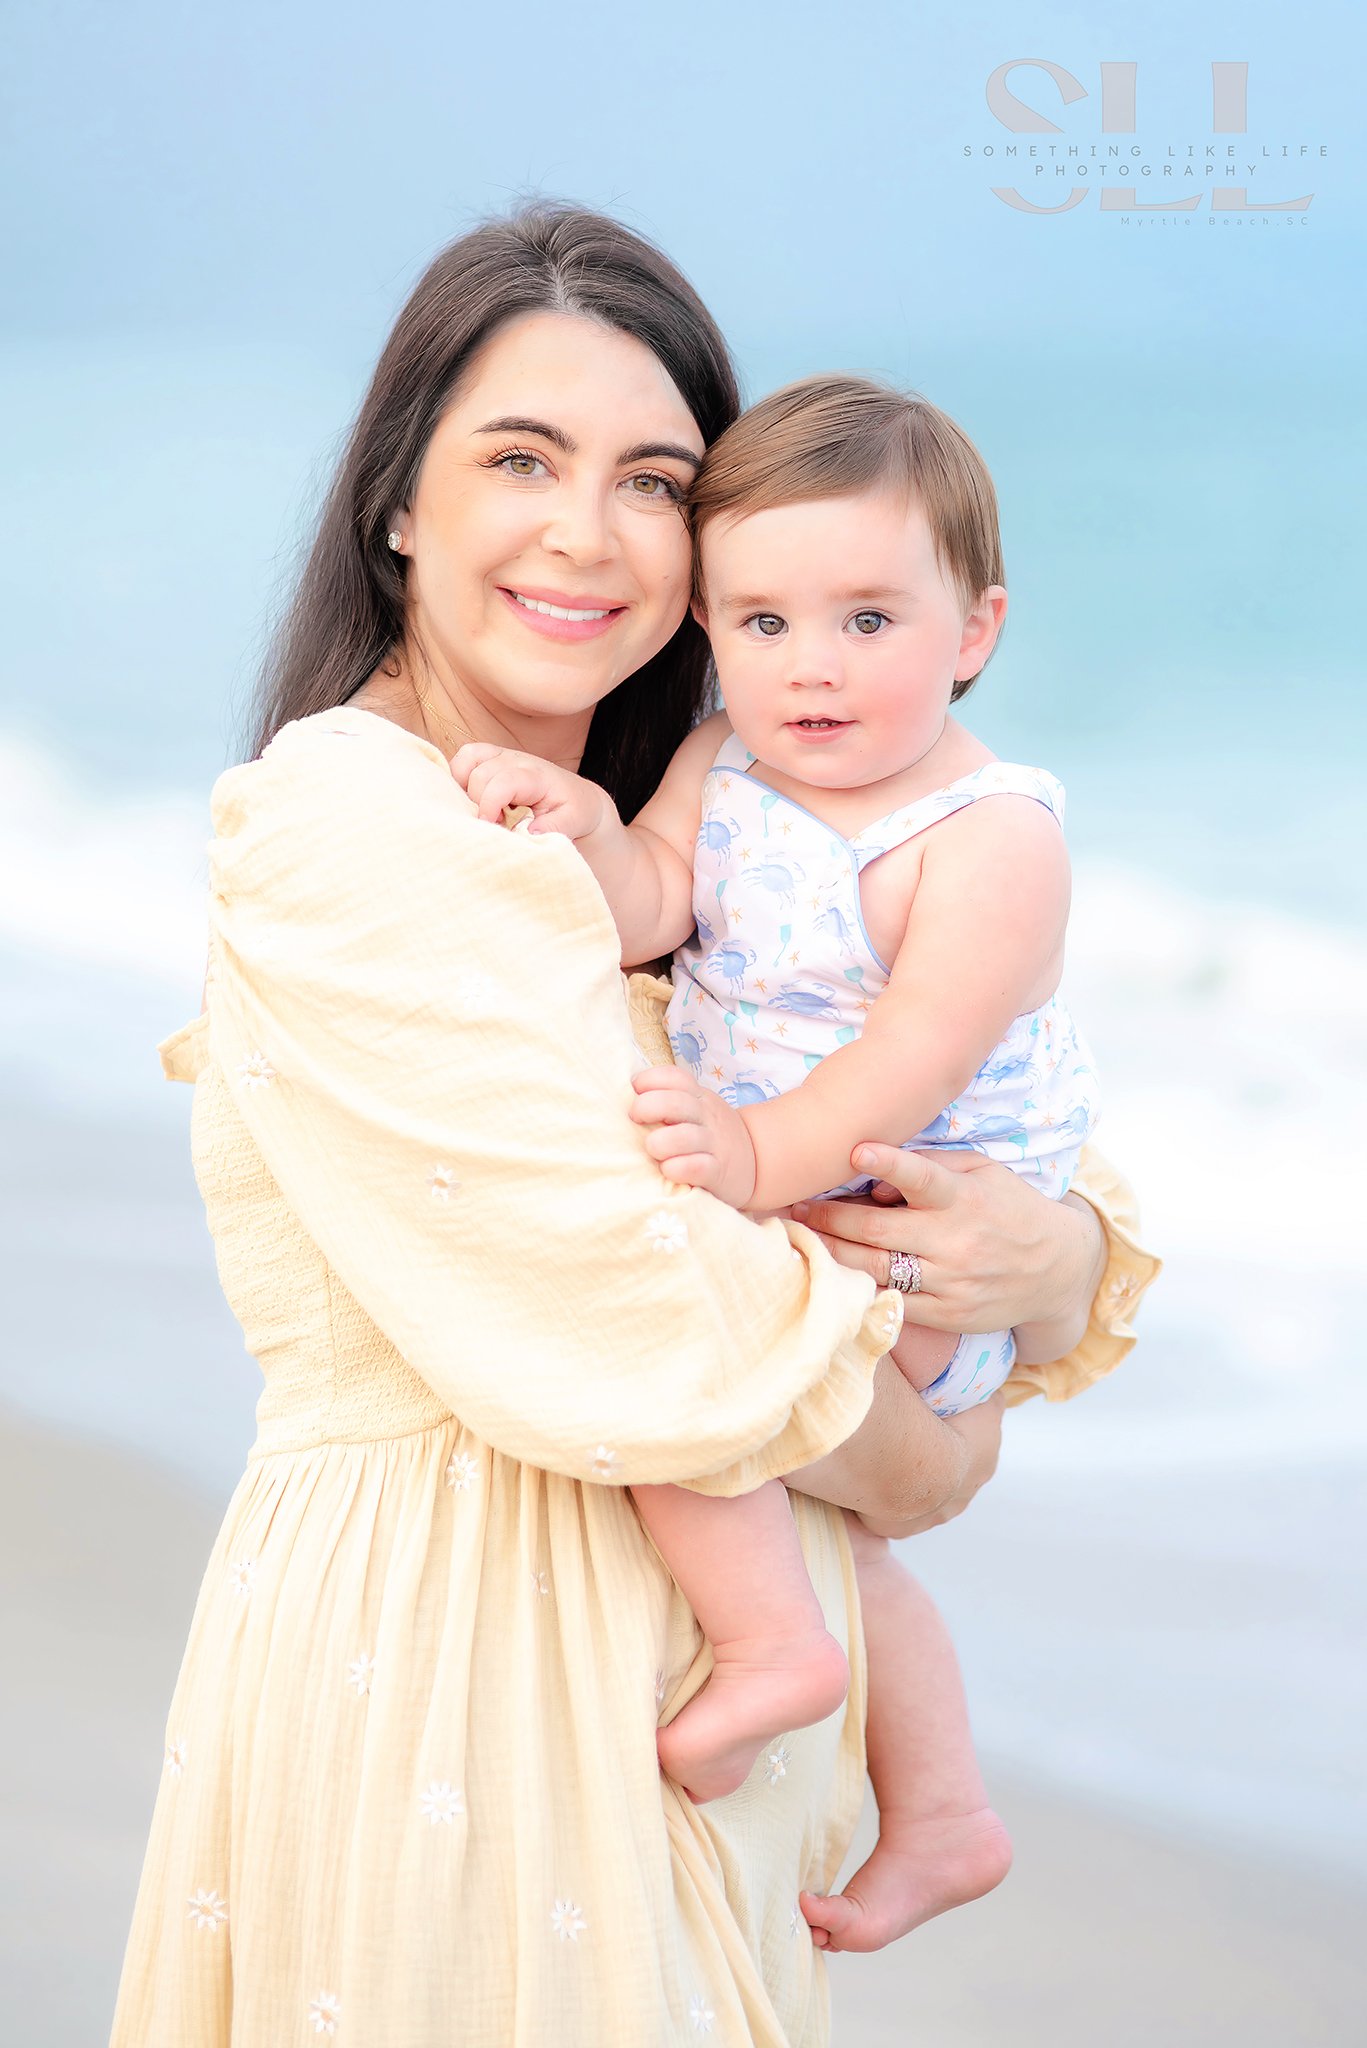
(553, 611)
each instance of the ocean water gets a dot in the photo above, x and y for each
(1160, 1600)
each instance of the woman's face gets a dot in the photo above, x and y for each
(553, 484)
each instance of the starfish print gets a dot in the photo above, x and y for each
(763, 987)
(786, 827)
(752, 1045)
(718, 1073)
(795, 957)
(781, 1028)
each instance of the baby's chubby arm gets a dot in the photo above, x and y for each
(645, 869)
(983, 942)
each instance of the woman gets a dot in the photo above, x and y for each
(411, 1791)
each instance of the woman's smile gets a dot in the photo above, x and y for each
(562, 615)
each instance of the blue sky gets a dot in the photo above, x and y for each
(220, 211)
(215, 168)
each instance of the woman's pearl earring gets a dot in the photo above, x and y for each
(396, 540)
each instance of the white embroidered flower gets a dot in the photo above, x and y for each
(794, 1922)
(442, 1801)
(175, 1757)
(567, 1920)
(256, 1071)
(241, 1573)
(324, 2012)
(476, 987)
(360, 1672)
(701, 2015)
(776, 1765)
(660, 1688)
(462, 1471)
(892, 1321)
(667, 1232)
(604, 1462)
(441, 1182)
(207, 1910)
(1121, 1291)
(541, 1584)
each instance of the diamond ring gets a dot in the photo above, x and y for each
(905, 1273)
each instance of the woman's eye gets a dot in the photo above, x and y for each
(868, 623)
(650, 484)
(519, 462)
(769, 624)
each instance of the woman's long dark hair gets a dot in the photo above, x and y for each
(347, 614)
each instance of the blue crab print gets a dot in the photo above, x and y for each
(743, 1091)
(731, 962)
(688, 1048)
(833, 920)
(773, 875)
(806, 1002)
(1002, 1130)
(1013, 1066)
(1074, 1127)
(716, 834)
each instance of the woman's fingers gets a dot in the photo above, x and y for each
(924, 1180)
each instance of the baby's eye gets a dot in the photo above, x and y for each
(868, 623)
(769, 624)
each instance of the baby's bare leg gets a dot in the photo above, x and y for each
(939, 1842)
(740, 1567)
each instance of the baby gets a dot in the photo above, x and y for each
(865, 948)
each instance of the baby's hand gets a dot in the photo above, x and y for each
(497, 777)
(696, 1137)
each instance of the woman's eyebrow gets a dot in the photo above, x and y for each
(512, 425)
(655, 451)
(644, 451)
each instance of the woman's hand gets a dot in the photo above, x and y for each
(995, 1253)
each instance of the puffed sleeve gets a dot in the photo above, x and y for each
(1130, 1270)
(424, 1022)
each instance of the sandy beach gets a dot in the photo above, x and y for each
(1107, 1931)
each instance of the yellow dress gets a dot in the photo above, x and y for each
(410, 1794)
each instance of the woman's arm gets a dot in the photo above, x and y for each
(905, 1468)
(420, 1018)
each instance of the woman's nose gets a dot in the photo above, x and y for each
(579, 525)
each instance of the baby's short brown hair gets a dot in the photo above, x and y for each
(834, 437)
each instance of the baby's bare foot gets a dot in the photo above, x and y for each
(758, 1689)
(920, 1867)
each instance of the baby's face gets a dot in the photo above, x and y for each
(837, 611)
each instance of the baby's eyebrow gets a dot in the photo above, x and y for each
(744, 601)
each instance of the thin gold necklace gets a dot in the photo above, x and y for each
(448, 741)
